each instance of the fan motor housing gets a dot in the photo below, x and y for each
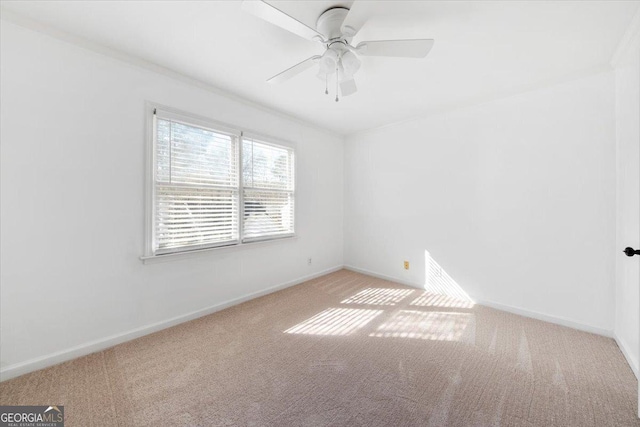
(330, 21)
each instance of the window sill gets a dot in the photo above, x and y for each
(197, 253)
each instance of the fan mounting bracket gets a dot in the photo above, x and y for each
(330, 21)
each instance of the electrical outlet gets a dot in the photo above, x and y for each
(309, 261)
(406, 265)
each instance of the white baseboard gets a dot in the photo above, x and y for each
(382, 276)
(627, 355)
(511, 309)
(546, 317)
(31, 365)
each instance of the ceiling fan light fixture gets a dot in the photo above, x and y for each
(350, 63)
(328, 62)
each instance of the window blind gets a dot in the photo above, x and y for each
(268, 190)
(196, 195)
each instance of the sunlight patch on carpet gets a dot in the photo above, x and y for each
(435, 326)
(378, 296)
(429, 299)
(335, 321)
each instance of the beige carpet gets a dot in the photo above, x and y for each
(345, 350)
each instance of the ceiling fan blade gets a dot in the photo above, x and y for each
(277, 17)
(295, 70)
(418, 48)
(348, 87)
(354, 21)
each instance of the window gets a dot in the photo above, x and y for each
(267, 172)
(212, 186)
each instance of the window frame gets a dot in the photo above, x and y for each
(153, 110)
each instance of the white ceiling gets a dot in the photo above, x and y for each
(483, 50)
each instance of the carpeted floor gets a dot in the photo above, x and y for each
(345, 350)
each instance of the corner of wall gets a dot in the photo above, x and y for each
(628, 48)
(624, 348)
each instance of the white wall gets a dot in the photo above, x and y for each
(72, 181)
(514, 199)
(627, 319)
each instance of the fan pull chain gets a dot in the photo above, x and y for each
(337, 83)
(326, 84)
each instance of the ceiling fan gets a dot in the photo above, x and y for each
(335, 29)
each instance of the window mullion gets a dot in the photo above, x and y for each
(240, 187)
